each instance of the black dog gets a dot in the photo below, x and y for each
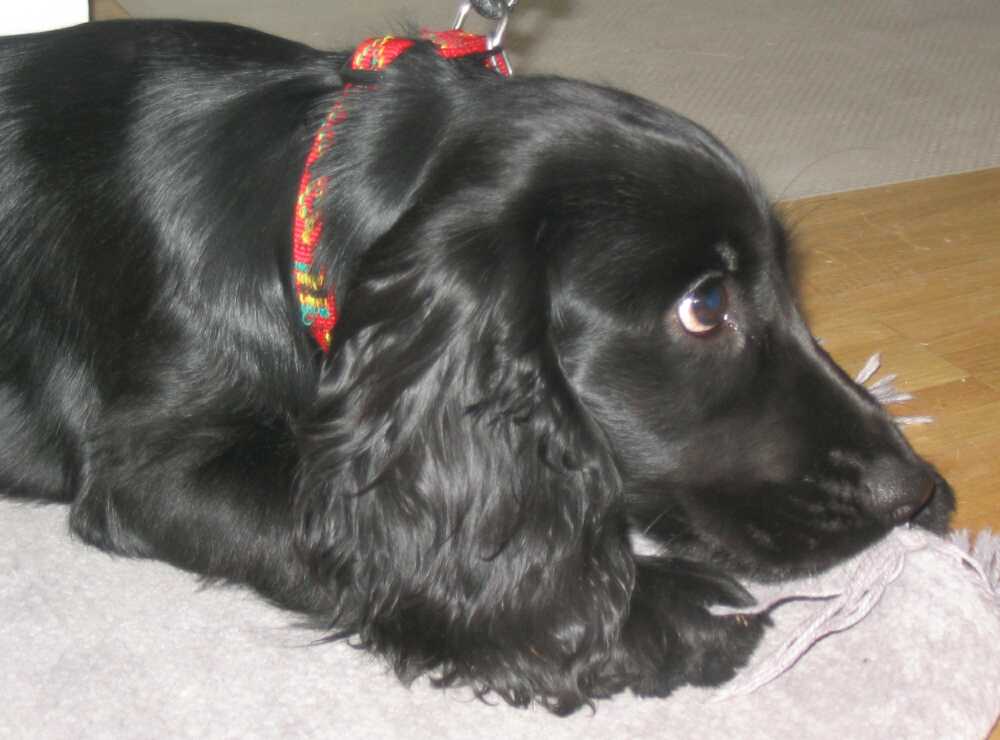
(566, 321)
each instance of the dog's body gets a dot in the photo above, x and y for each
(565, 317)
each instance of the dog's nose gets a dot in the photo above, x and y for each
(895, 490)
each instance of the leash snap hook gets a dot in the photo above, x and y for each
(498, 10)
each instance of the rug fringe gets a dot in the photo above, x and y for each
(870, 576)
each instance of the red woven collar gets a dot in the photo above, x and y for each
(316, 299)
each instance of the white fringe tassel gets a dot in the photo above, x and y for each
(871, 574)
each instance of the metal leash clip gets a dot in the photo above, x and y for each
(501, 10)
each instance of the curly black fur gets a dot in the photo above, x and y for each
(509, 403)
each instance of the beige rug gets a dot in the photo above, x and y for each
(818, 96)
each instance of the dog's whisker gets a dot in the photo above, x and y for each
(894, 398)
(885, 392)
(870, 368)
(882, 382)
(656, 519)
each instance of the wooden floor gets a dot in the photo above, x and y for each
(913, 271)
(105, 10)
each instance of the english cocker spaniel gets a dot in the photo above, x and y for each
(422, 352)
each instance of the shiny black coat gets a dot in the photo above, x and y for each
(511, 402)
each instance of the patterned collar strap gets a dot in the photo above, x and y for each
(316, 299)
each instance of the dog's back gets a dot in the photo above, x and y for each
(107, 133)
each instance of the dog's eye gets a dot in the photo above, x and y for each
(703, 309)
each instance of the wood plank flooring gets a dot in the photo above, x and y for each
(913, 271)
(105, 10)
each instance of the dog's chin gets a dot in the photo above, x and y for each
(816, 553)
(815, 564)
(934, 517)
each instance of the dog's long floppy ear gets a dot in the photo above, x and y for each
(380, 154)
(452, 494)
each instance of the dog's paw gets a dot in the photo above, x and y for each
(672, 639)
(722, 646)
(708, 654)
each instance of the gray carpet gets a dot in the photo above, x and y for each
(817, 96)
(96, 647)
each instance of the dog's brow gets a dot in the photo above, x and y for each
(728, 255)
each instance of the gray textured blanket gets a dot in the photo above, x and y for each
(92, 646)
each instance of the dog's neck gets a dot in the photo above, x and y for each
(317, 304)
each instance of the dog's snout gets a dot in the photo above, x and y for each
(895, 490)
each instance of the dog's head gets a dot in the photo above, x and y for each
(676, 322)
(571, 313)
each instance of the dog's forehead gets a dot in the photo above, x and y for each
(669, 207)
(637, 192)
